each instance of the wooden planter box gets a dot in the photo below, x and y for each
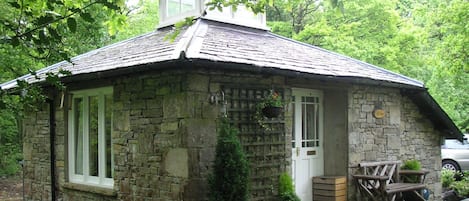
(330, 188)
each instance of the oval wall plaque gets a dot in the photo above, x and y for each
(378, 113)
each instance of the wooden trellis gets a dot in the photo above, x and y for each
(266, 150)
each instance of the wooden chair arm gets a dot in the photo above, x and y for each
(421, 174)
(413, 172)
(371, 177)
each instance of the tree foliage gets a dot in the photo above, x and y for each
(450, 72)
(41, 25)
(36, 33)
(141, 18)
(425, 40)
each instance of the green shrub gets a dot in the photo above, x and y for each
(10, 144)
(447, 178)
(285, 183)
(411, 165)
(286, 191)
(290, 196)
(462, 187)
(10, 155)
(230, 178)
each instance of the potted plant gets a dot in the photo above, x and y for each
(272, 105)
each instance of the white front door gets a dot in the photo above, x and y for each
(307, 140)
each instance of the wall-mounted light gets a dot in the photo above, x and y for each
(219, 98)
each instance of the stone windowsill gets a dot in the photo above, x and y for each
(90, 189)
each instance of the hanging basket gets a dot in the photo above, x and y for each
(272, 111)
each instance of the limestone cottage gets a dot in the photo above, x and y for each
(138, 118)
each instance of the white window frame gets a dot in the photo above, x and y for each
(166, 21)
(237, 17)
(86, 179)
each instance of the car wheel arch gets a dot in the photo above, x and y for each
(452, 162)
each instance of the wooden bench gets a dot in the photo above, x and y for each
(382, 181)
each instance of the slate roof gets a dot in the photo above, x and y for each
(219, 42)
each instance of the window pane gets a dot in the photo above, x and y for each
(176, 7)
(173, 8)
(93, 135)
(187, 5)
(108, 127)
(78, 131)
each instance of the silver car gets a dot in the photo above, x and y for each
(455, 154)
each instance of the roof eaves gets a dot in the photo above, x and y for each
(429, 107)
(54, 67)
(411, 80)
(220, 64)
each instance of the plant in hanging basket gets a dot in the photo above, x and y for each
(271, 106)
(271, 111)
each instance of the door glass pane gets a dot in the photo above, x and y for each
(93, 135)
(310, 124)
(294, 123)
(310, 114)
(78, 131)
(304, 123)
(108, 127)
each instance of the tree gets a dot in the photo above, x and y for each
(230, 178)
(142, 18)
(450, 75)
(40, 25)
(34, 34)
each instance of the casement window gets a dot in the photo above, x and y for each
(177, 7)
(172, 11)
(90, 158)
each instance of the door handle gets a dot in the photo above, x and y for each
(297, 151)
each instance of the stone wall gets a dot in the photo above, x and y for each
(164, 139)
(403, 133)
(36, 153)
(164, 135)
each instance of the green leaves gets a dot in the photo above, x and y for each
(110, 5)
(87, 17)
(14, 4)
(72, 24)
(178, 27)
(40, 26)
(257, 7)
(45, 20)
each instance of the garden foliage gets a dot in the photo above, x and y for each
(411, 165)
(286, 191)
(457, 181)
